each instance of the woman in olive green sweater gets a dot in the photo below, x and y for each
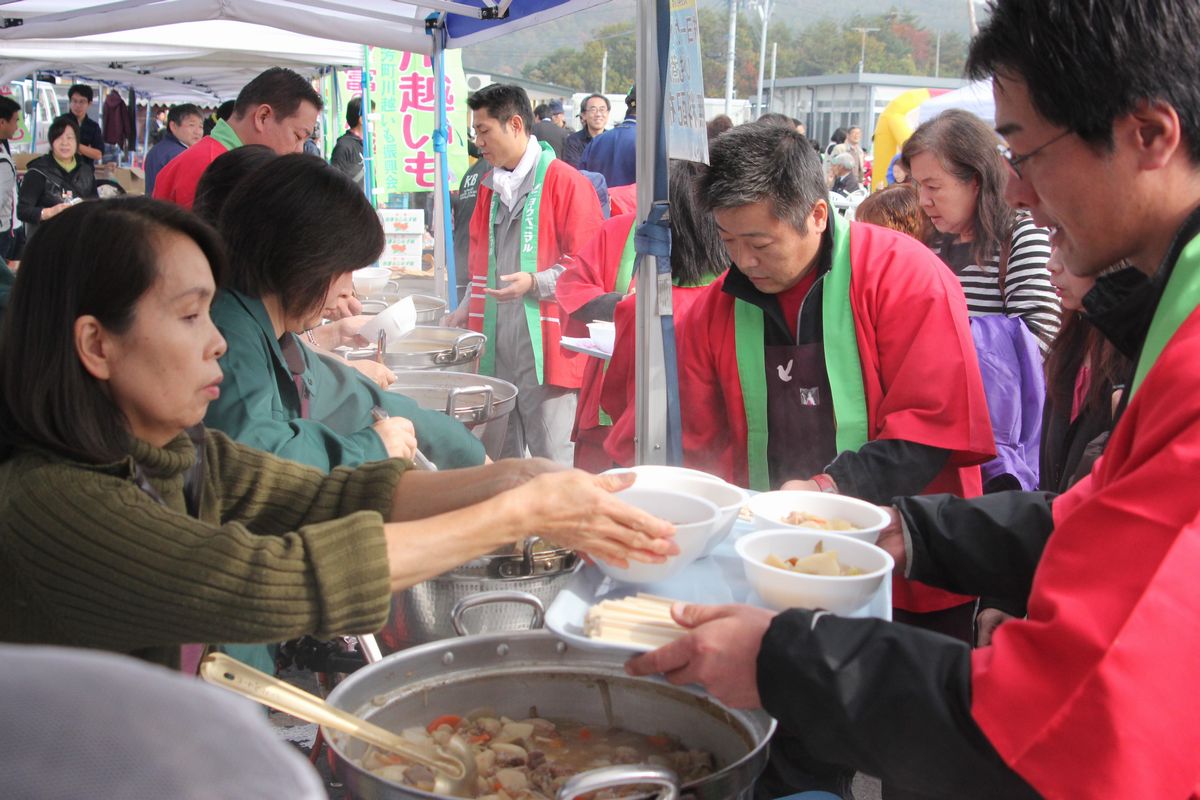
(126, 526)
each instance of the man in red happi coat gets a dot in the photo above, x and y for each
(1091, 695)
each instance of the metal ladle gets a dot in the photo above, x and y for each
(453, 766)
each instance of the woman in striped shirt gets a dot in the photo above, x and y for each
(998, 254)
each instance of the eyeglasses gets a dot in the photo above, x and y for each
(1015, 160)
(596, 110)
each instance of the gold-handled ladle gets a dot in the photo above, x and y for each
(453, 765)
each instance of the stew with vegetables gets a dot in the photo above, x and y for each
(530, 759)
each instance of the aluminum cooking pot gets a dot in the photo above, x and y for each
(491, 594)
(477, 401)
(406, 285)
(429, 309)
(431, 347)
(515, 671)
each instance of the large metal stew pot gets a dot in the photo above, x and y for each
(511, 672)
(479, 402)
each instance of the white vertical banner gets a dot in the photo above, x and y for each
(687, 131)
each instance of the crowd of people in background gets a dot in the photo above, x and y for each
(999, 348)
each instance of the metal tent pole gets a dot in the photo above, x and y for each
(443, 256)
(652, 445)
(368, 158)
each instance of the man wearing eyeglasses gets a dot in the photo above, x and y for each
(595, 118)
(1092, 695)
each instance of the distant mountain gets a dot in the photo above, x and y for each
(507, 55)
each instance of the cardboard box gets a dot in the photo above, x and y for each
(402, 221)
(402, 252)
(131, 179)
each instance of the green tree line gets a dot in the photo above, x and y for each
(901, 46)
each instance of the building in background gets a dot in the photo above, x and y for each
(827, 102)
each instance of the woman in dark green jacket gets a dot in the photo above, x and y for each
(125, 526)
(295, 230)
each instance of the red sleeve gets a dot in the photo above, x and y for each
(1094, 694)
(623, 199)
(576, 209)
(477, 257)
(710, 396)
(920, 371)
(594, 271)
(618, 393)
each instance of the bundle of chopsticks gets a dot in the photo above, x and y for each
(643, 620)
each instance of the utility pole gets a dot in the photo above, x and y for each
(774, 59)
(971, 17)
(604, 73)
(731, 53)
(937, 59)
(863, 56)
(763, 7)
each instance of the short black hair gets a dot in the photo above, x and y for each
(283, 243)
(542, 110)
(590, 97)
(225, 110)
(280, 88)
(93, 259)
(755, 162)
(8, 107)
(219, 178)
(503, 101)
(60, 125)
(83, 90)
(775, 118)
(1087, 63)
(354, 111)
(179, 113)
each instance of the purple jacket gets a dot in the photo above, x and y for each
(1015, 385)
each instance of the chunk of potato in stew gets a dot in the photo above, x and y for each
(530, 759)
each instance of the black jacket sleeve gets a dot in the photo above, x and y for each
(29, 197)
(600, 308)
(886, 468)
(987, 545)
(888, 699)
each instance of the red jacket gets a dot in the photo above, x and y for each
(177, 180)
(569, 217)
(619, 389)
(1094, 695)
(920, 374)
(591, 274)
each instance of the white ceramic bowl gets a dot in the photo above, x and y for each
(782, 589)
(694, 519)
(728, 498)
(603, 334)
(371, 280)
(771, 507)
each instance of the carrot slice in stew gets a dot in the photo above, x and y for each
(445, 719)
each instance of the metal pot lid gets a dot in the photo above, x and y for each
(433, 339)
